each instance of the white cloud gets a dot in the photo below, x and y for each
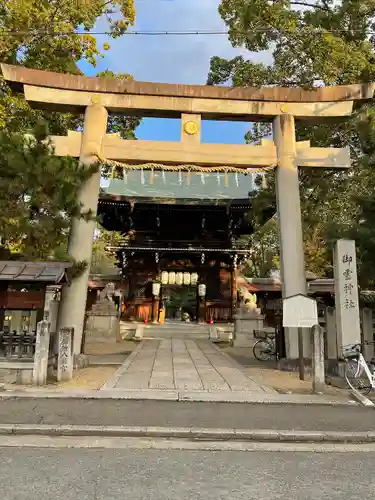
(172, 59)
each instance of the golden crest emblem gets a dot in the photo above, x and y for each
(191, 128)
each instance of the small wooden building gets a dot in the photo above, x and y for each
(23, 288)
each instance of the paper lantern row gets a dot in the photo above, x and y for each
(172, 278)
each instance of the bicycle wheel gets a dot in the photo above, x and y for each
(263, 350)
(356, 377)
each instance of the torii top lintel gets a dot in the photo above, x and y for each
(65, 91)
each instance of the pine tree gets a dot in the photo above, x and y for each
(38, 196)
(37, 190)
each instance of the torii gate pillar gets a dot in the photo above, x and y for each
(289, 207)
(73, 299)
(292, 260)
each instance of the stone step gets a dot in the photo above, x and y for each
(166, 328)
(174, 335)
(178, 330)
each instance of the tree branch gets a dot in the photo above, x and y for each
(53, 15)
(313, 6)
(105, 4)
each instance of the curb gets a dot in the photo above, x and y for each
(158, 395)
(189, 433)
(362, 400)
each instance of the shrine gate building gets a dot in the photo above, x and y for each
(181, 250)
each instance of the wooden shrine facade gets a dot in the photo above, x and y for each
(179, 244)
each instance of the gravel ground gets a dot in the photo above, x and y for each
(267, 374)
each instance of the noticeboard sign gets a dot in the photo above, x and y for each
(300, 311)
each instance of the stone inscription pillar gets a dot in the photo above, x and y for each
(41, 353)
(65, 357)
(73, 298)
(346, 293)
(292, 258)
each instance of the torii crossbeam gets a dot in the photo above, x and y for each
(205, 155)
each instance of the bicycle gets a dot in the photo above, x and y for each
(359, 375)
(265, 349)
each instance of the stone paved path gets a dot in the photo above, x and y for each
(185, 365)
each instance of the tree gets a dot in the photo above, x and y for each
(43, 34)
(103, 260)
(38, 196)
(321, 42)
(264, 245)
(326, 40)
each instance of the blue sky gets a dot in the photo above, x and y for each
(174, 59)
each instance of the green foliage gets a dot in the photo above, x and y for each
(326, 40)
(264, 247)
(320, 42)
(38, 191)
(103, 261)
(42, 34)
(38, 195)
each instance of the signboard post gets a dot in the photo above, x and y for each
(300, 311)
(301, 355)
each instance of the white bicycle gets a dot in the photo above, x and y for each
(359, 375)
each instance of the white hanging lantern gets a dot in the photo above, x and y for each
(187, 279)
(202, 290)
(194, 279)
(179, 278)
(156, 289)
(164, 278)
(172, 278)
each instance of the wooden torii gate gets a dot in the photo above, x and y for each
(281, 106)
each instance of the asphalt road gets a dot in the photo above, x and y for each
(109, 474)
(178, 414)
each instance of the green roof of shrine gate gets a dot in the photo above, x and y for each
(174, 185)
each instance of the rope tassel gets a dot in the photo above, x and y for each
(264, 182)
(226, 180)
